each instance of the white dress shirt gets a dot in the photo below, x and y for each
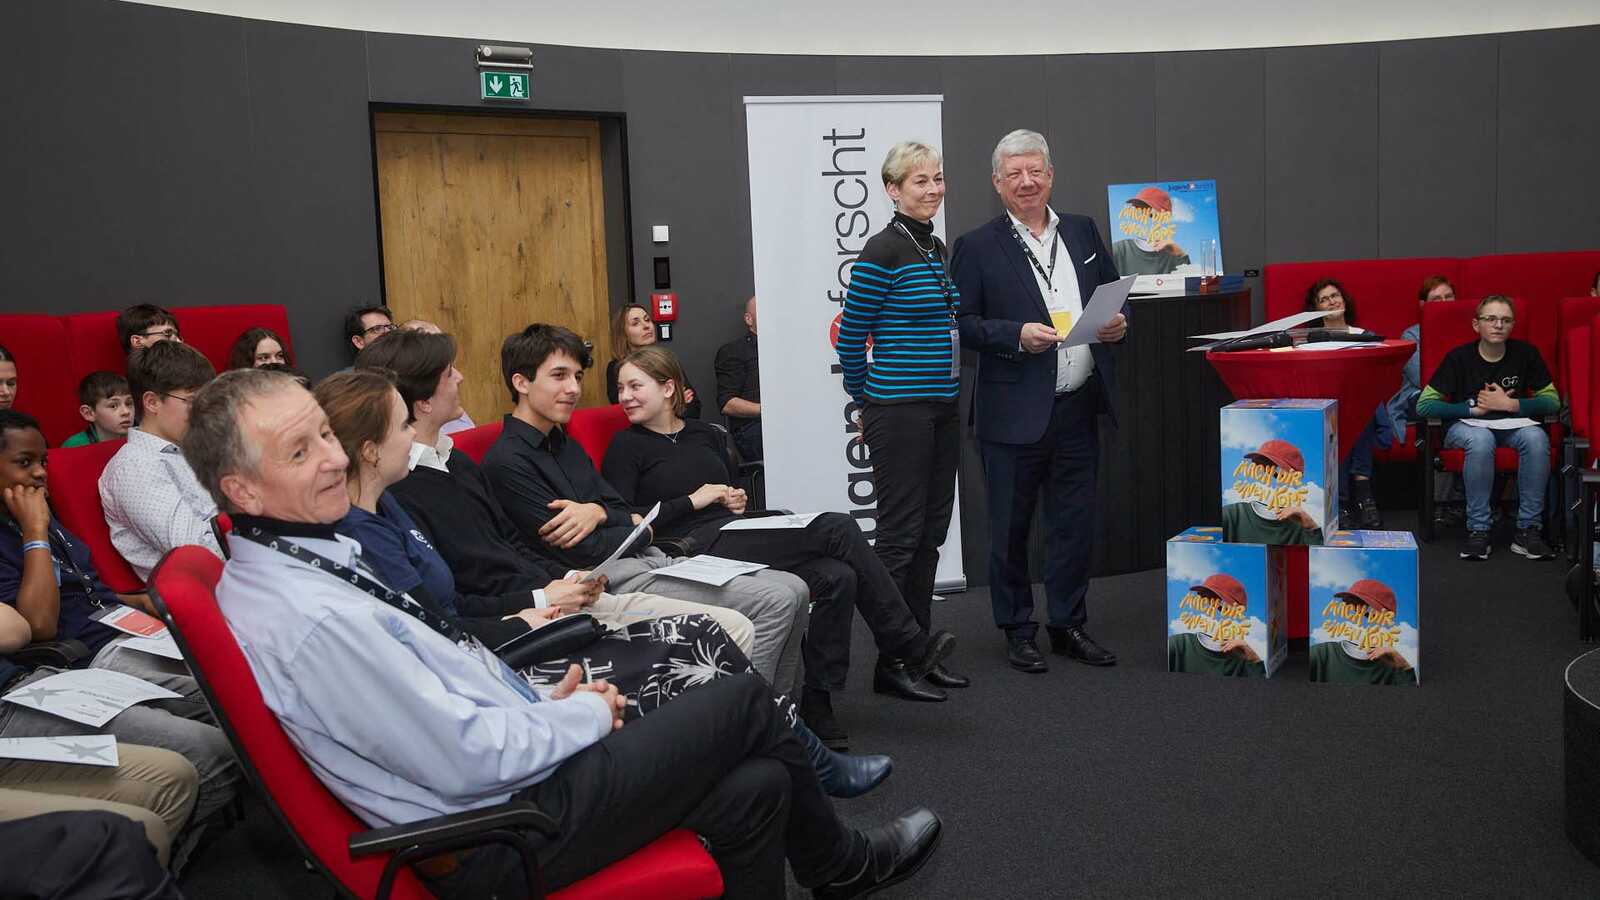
(397, 720)
(153, 502)
(1074, 365)
(436, 457)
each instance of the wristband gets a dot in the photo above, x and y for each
(37, 545)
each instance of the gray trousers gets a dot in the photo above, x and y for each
(777, 603)
(183, 726)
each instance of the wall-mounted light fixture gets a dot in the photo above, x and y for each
(497, 57)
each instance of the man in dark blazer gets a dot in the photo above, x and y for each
(1024, 278)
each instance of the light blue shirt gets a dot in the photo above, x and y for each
(398, 721)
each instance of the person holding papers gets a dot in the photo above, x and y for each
(1496, 378)
(46, 575)
(551, 491)
(1024, 278)
(684, 466)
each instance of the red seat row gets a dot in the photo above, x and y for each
(53, 353)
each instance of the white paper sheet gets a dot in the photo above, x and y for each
(132, 621)
(764, 523)
(712, 570)
(639, 529)
(1283, 324)
(90, 696)
(1510, 424)
(1334, 345)
(160, 645)
(86, 749)
(1108, 300)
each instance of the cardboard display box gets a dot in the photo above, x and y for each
(1364, 608)
(1225, 606)
(1280, 471)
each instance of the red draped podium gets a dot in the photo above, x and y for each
(1360, 378)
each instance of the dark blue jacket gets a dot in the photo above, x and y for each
(999, 293)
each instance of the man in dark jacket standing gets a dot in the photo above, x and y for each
(1024, 278)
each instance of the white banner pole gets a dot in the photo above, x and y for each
(815, 197)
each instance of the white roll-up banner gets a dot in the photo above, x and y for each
(815, 197)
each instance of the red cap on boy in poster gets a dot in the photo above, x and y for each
(1280, 453)
(1155, 198)
(1223, 586)
(1372, 592)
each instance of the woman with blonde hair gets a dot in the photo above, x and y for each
(632, 328)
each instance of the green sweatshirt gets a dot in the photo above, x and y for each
(1185, 653)
(1330, 664)
(1241, 525)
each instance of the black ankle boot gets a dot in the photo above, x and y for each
(816, 708)
(841, 775)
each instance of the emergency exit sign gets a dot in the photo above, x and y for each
(503, 85)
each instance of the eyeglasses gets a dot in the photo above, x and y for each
(165, 334)
(383, 329)
(1496, 320)
(186, 400)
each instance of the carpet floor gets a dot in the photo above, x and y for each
(1132, 782)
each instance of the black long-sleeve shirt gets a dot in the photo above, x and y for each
(648, 468)
(739, 375)
(528, 469)
(461, 518)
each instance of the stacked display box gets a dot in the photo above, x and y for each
(1225, 606)
(1280, 471)
(1364, 608)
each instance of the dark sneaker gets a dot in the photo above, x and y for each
(1529, 543)
(1476, 546)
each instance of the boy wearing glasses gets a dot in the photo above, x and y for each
(151, 497)
(1479, 386)
(145, 324)
(365, 324)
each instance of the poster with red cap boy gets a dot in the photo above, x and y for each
(1277, 467)
(1363, 597)
(1220, 608)
(1165, 227)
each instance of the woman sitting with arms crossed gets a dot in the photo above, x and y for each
(683, 465)
(650, 662)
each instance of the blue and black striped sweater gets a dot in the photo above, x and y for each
(897, 296)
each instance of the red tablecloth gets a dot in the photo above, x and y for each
(1360, 378)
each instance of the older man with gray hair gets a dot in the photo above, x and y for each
(1024, 278)
(401, 722)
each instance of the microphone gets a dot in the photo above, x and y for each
(1340, 334)
(1255, 342)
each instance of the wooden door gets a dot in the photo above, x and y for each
(490, 224)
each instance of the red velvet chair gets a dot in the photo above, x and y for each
(46, 386)
(363, 863)
(475, 442)
(92, 344)
(1575, 365)
(594, 427)
(75, 498)
(213, 329)
(1589, 492)
(1384, 290)
(1445, 326)
(1541, 279)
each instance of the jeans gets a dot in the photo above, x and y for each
(1477, 475)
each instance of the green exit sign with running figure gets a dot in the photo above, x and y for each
(503, 85)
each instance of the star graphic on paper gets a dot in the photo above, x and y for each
(80, 751)
(36, 695)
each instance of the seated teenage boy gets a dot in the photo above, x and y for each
(1491, 378)
(145, 324)
(448, 498)
(104, 402)
(551, 490)
(150, 496)
(459, 730)
(46, 574)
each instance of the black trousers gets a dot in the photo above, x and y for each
(915, 449)
(844, 575)
(82, 854)
(1062, 463)
(719, 760)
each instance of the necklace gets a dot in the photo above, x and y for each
(926, 251)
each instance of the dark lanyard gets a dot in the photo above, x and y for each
(397, 599)
(945, 287)
(1048, 276)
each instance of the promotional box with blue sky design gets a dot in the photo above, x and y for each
(1280, 470)
(1364, 608)
(1225, 606)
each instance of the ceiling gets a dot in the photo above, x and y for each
(925, 28)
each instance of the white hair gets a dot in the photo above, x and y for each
(1021, 142)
